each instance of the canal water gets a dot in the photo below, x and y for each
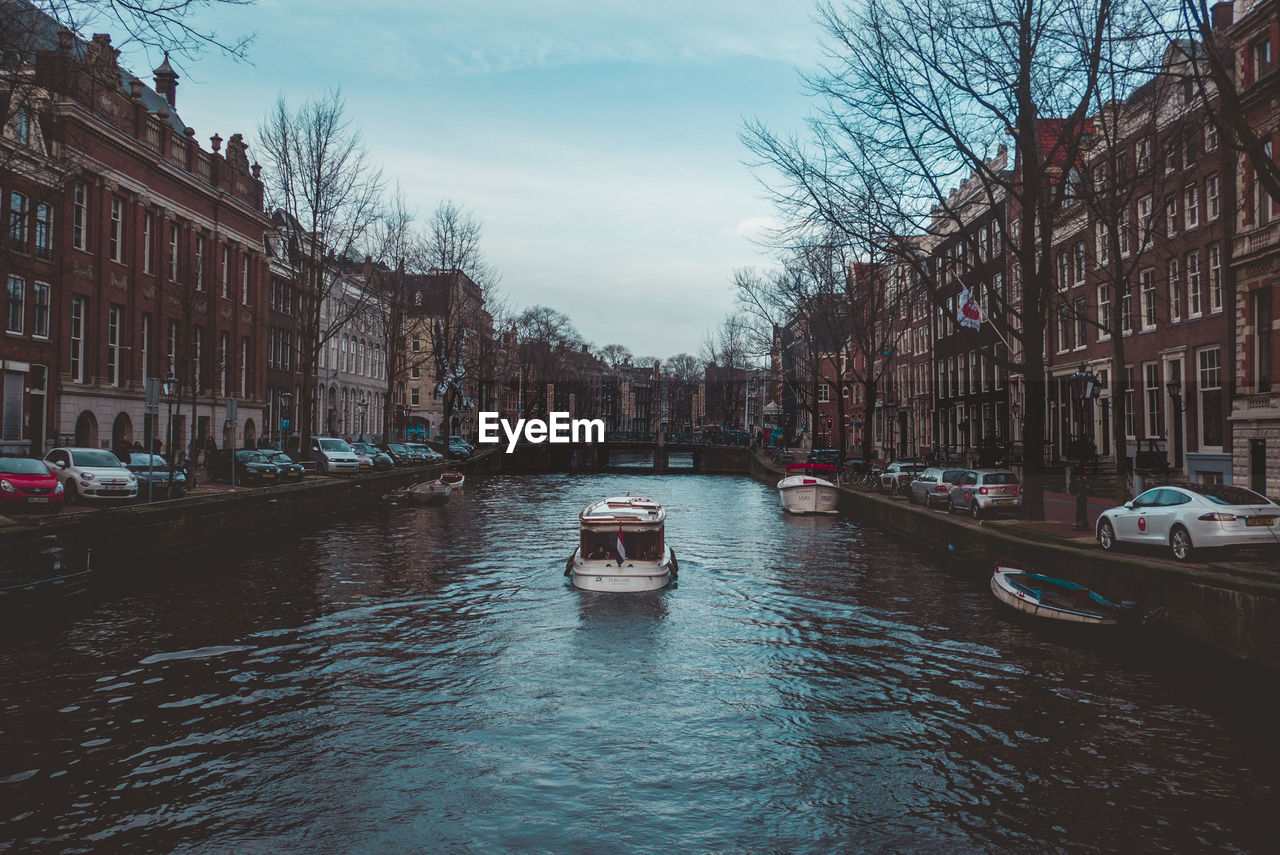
(423, 680)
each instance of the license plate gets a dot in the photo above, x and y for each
(1005, 501)
(268, 474)
(1260, 521)
(38, 499)
(115, 491)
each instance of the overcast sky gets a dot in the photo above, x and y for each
(596, 140)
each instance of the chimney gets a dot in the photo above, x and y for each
(1223, 15)
(167, 81)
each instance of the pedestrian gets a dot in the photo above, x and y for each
(1080, 487)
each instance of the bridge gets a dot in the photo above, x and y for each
(707, 458)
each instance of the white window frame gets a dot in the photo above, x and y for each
(79, 310)
(1195, 286)
(1147, 296)
(1175, 290)
(1215, 278)
(115, 233)
(1191, 207)
(80, 216)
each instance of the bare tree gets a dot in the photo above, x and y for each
(684, 374)
(326, 191)
(615, 355)
(729, 352)
(546, 337)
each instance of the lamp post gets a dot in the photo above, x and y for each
(1084, 387)
(1174, 387)
(361, 406)
(172, 387)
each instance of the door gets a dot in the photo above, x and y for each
(1132, 525)
(1160, 516)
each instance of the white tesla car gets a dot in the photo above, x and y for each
(1192, 516)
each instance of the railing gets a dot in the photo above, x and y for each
(1256, 240)
(151, 133)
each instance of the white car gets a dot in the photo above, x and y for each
(1192, 516)
(334, 456)
(92, 473)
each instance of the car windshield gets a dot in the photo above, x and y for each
(397, 448)
(334, 445)
(246, 456)
(278, 457)
(999, 478)
(1227, 494)
(144, 460)
(95, 458)
(22, 466)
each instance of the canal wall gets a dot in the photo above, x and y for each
(120, 535)
(1211, 605)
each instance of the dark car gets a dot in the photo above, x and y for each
(826, 456)
(289, 470)
(381, 460)
(400, 453)
(251, 467)
(153, 470)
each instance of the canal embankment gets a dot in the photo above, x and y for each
(1227, 606)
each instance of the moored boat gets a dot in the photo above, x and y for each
(810, 488)
(1055, 599)
(453, 479)
(622, 547)
(430, 493)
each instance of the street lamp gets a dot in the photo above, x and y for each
(361, 406)
(1174, 388)
(1085, 388)
(171, 388)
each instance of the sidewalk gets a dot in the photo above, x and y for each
(1060, 514)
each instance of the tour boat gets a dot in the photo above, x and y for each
(622, 547)
(1055, 599)
(810, 488)
(430, 493)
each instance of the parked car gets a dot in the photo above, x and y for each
(92, 473)
(984, 491)
(399, 453)
(933, 485)
(251, 467)
(1190, 517)
(26, 482)
(334, 456)
(379, 458)
(426, 452)
(455, 447)
(895, 477)
(154, 470)
(290, 470)
(465, 443)
(826, 456)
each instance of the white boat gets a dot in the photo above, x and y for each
(810, 488)
(622, 547)
(1055, 599)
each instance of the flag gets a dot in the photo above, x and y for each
(968, 314)
(622, 551)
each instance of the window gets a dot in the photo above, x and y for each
(79, 308)
(1080, 262)
(80, 216)
(1210, 386)
(1064, 327)
(1261, 198)
(148, 242)
(1190, 149)
(224, 356)
(1215, 278)
(1261, 58)
(1175, 291)
(44, 231)
(1171, 217)
(197, 358)
(1262, 338)
(113, 345)
(115, 237)
(1123, 235)
(199, 262)
(244, 278)
(1130, 417)
(173, 347)
(1082, 322)
(173, 252)
(1142, 155)
(244, 367)
(1191, 202)
(1126, 309)
(146, 346)
(226, 264)
(1211, 197)
(1153, 398)
(41, 292)
(16, 311)
(1104, 312)
(1144, 220)
(18, 222)
(1103, 250)
(1146, 278)
(824, 393)
(1210, 136)
(22, 126)
(1195, 297)
(1064, 271)
(415, 397)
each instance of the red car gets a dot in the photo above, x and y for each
(28, 483)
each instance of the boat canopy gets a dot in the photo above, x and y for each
(623, 510)
(636, 520)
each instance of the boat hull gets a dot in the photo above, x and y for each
(632, 577)
(808, 496)
(1088, 609)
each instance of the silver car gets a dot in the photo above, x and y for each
(933, 485)
(895, 477)
(984, 491)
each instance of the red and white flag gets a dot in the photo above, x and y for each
(622, 551)
(968, 315)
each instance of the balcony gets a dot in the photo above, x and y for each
(1254, 242)
(1251, 402)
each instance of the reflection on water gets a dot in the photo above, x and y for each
(425, 680)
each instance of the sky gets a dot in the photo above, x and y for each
(597, 141)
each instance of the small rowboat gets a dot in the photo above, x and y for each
(1055, 599)
(453, 479)
(430, 493)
